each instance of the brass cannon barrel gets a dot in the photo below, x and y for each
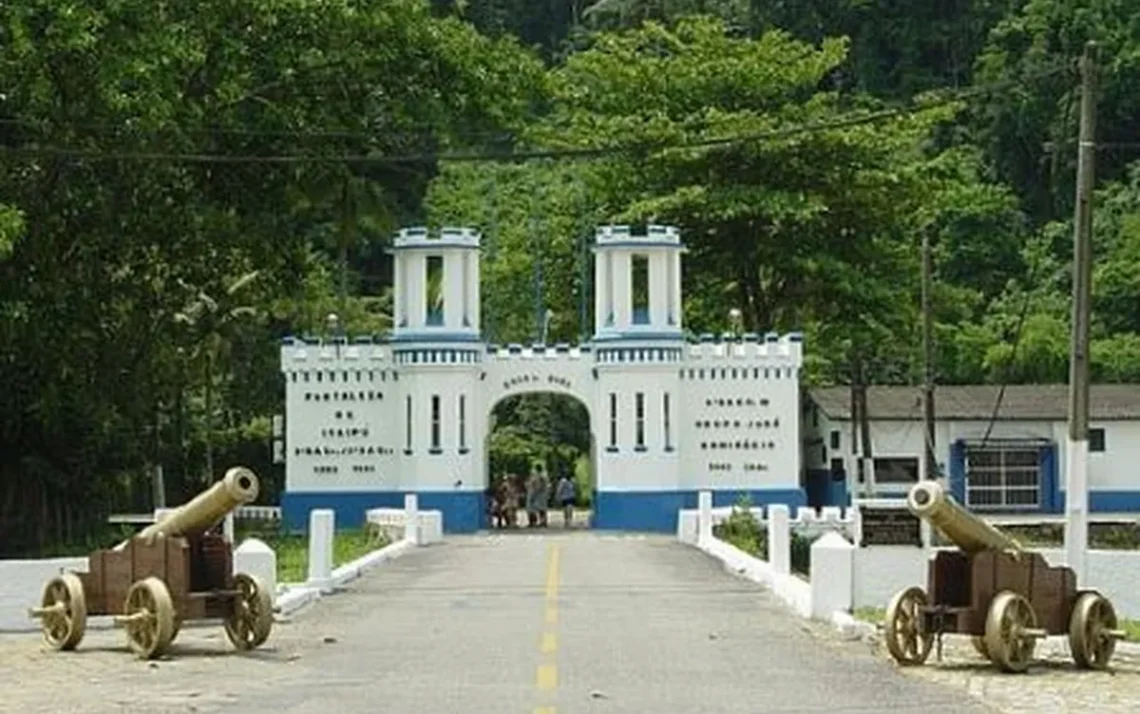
(930, 502)
(238, 487)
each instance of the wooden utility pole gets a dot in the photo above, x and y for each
(931, 465)
(1077, 448)
(867, 462)
(158, 481)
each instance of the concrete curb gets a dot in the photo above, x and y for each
(853, 628)
(790, 590)
(294, 596)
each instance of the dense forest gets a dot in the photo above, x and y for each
(183, 184)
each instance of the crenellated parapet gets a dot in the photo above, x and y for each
(624, 234)
(786, 350)
(307, 353)
(446, 237)
(538, 351)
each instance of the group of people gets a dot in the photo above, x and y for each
(533, 494)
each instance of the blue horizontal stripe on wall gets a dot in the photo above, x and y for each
(1106, 501)
(656, 511)
(463, 511)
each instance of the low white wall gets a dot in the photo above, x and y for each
(1115, 573)
(795, 592)
(394, 521)
(22, 583)
(881, 571)
(852, 577)
(805, 521)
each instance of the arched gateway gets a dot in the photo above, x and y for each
(368, 421)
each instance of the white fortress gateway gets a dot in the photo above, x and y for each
(368, 421)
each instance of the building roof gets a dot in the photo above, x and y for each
(1021, 402)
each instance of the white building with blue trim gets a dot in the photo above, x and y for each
(998, 455)
(369, 420)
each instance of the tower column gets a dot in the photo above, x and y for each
(453, 297)
(621, 280)
(659, 288)
(675, 304)
(399, 291)
(474, 292)
(601, 291)
(416, 293)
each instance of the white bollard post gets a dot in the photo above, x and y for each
(779, 538)
(228, 527)
(256, 558)
(704, 518)
(322, 529)
(832, 575)
(412, 518)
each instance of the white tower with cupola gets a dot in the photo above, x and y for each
(436, 285)
(637, 283)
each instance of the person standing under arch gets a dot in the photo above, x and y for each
(564, 495)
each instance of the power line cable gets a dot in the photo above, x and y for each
(1017, 333)
(134, 129)
(493, 156)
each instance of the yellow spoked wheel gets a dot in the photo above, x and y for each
(906, 640)
(1093, 631)
(62, 611)
(1011, 632)
(148, 617)
(251, 618)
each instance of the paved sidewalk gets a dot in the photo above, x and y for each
(1052, 685)
(564, 623)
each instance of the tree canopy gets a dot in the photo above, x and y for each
(156, 156)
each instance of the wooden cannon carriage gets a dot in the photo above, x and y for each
(175, 570)
(1002, 596)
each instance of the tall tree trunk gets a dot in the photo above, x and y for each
(209, 415)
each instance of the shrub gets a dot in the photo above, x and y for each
(801, 554)
(742, 530)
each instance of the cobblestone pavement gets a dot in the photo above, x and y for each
(1053, 684)
(568, 623)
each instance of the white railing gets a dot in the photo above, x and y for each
(807, 522)
(844, 577)
(395, 520)
(242, 513)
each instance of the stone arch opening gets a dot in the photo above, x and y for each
(553, 430)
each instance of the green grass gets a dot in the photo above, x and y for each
(293, 551)
(873, 615)
(1132, 629)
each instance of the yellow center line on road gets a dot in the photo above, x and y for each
(546, 676)
(549, 642)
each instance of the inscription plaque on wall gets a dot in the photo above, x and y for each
(890, 526)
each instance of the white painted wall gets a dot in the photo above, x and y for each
(311, 412)
(627, 468)
(1116, 468)
(763, 439)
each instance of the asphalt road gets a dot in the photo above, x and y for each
(557, 623)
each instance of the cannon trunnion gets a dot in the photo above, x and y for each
(173, 571)
(992, 590)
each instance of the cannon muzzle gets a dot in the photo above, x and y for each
(930, 502)
(238, 487)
